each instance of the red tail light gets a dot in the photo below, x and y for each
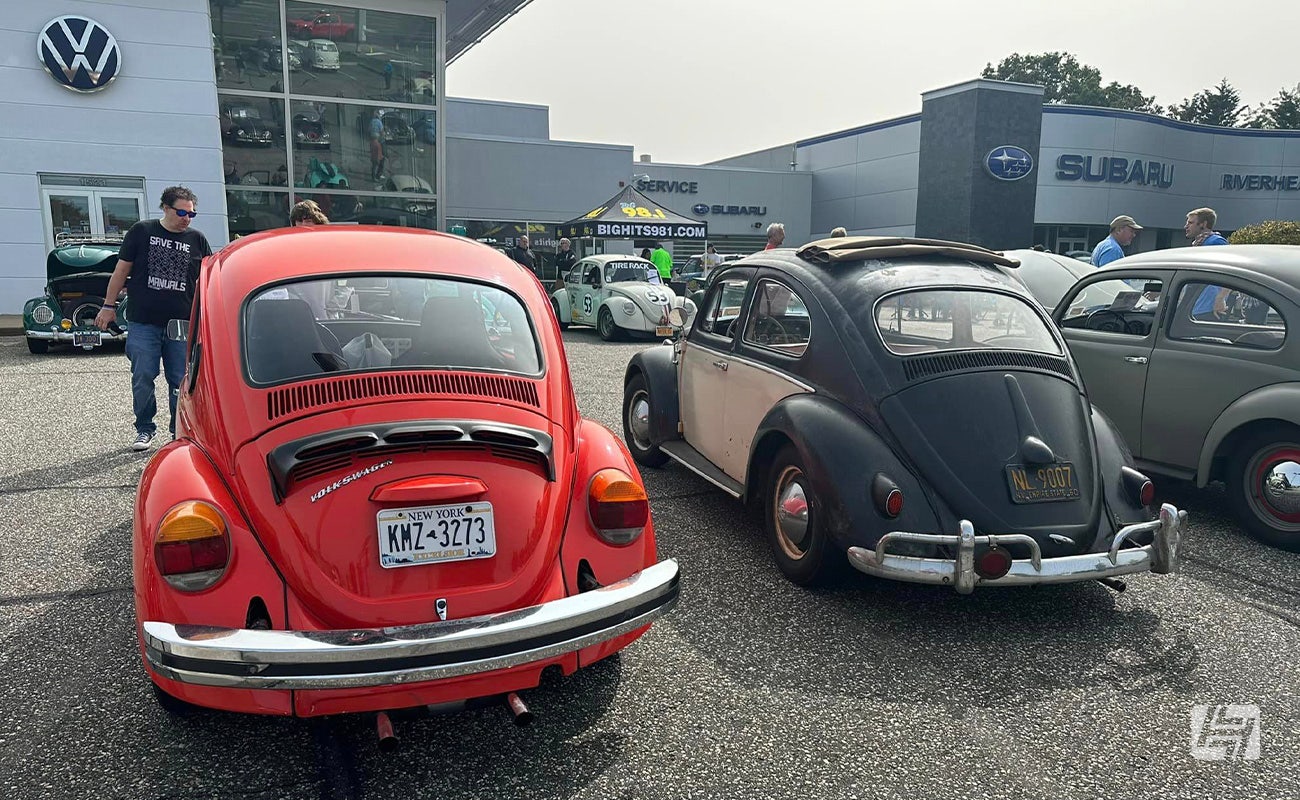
(618, 506)
(192, 547)
(887, 496)
(894, 503)
(1139, 487)
(993, 563)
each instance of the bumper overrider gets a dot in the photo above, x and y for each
(340, 659)
(1160, 557)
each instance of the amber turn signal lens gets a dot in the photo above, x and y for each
(192, 547)
(618, 506)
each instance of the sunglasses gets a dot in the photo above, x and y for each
(180, 212)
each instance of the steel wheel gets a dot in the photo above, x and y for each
(1264, 486)
(636, 424)
(605, 325)
(800, 544)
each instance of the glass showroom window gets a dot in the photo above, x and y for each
(362, 55)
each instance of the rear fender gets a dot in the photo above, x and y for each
(1113, 455)
(656, 365)
(842, 456)
(1280, 401)
(598, 448)
(178, 473)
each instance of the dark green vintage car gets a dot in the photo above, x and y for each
(77, 272)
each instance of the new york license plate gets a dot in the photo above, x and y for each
(1045, 484)
(434, 534)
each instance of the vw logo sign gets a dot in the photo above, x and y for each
(1009, 163)
(79, 53)
(700, 208)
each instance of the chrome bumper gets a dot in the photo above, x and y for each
(341, 659)
(66, 336)
(1161, 557)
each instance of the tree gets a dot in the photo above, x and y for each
(1065, 80)
(1219, 105)
(1270, 232)
(1283, 112)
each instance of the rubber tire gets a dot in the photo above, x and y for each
(1239, 485)
(37, 347)
(564, 326)
(610, 331)
(646, 457)
(819, 564)
(173, 705)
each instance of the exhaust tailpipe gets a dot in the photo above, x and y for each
(522, 715)
(384, 727)
(1114, 583)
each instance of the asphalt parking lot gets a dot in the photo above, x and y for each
(752, 687)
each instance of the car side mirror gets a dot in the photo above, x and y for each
(677, 316)
(178, 330)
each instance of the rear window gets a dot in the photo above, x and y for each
(934, 320)
(312, 328)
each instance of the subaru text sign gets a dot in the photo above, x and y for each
(1008, 162)
(79, 53)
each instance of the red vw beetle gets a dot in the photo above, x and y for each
(381, 494)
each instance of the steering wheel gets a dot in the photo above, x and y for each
(1105, 320)
(1137, 327)
(767, 328)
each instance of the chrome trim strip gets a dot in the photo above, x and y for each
(1160, 557)
(340, 659)
(696, 470)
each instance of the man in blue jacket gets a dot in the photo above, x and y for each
(1122, 230)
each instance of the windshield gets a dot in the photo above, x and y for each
(624, 271)
(934, 320)
(311, 328)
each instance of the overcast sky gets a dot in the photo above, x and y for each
(690, 81)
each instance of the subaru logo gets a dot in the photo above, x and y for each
(1009, 163)
(79, 53)
(700, 208)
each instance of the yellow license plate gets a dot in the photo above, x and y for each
(1046, 484)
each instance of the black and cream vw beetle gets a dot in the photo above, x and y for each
(905, 405)
(618, 294)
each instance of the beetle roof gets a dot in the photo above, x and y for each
(605, 258)
(263, 258)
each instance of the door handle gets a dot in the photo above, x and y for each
(1136, 359)
(722, 365)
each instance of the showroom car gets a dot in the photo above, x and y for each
(309, 130)
(364, 512)
(77, 272)
(953, 448)
(1188, 351)
(619, 294)
(242, 123)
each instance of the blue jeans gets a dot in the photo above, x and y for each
(146, 346)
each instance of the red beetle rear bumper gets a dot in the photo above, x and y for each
(387, 665)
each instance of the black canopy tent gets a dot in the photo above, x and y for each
(631, 215)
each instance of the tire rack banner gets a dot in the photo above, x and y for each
(632, 215)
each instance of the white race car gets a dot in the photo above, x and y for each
(618, 294)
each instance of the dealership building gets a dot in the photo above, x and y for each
(257, 103)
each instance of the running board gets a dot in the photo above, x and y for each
(689, 457)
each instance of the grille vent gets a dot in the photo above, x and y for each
(918, 367)
(339, 463)
(299, 397)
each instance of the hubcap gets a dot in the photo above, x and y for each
(792, 513)
(638, 419)
(1275, 486)
(606, 324)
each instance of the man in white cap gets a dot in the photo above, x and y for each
(1122, 230)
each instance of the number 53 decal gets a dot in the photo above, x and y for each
(586, 304)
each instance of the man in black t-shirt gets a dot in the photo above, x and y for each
(158, 265)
